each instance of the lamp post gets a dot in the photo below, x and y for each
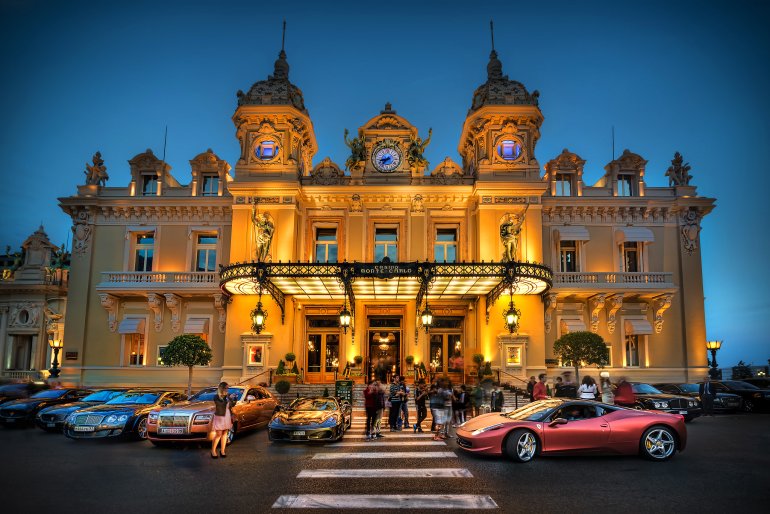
(713, 347)
(258, 315)
(426, 317)
(56, 345)
(512, 316)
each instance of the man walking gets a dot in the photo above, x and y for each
(531, 388)
(540, 392)
(404, 402)
(496, 403)
(396, 396)
(707, 394)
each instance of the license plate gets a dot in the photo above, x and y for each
(682, 412)
(171, 430)
(83, 429)
(298, 433)
(50, 425)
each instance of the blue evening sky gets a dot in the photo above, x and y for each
(670, 76)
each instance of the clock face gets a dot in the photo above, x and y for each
(386, 159)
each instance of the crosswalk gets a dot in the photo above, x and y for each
(367, 487)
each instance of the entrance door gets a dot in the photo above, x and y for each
(384, 338)
(22, 352)
(447, 352)
(323, 356)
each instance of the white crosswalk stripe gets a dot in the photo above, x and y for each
(405, 435)
(385, 443)
(384, 455)
(386, 473)
(391, 501)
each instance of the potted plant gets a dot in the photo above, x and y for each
(290, 357)
(358, 360)
(282, 387)
(478, 360)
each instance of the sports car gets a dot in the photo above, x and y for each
(124, 415)
(311, 419)
(561, 427)
(51, 419)
(22, 412)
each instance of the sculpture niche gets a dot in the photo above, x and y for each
(263, 234)
(510, 229)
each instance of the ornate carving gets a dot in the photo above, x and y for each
(96, 173)
(690, 229)
(326, 173)
(110, 304)
(155, 304)
(174, 304)
(615, 303)
(510, 228)
(550, 305)
(355, 203)
(357, 151)
(678, 173)
(414, 154)
(263, 233)
(220, 304)
(25, 315)
(417, 206)
(500, 90)
(448, 172)
(659, 306)
(81, 232)
(597, 304)
(276, 90)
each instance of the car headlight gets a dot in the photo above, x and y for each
(486, 429)
(111, 420)
(202, 419)
(660, 405)
(122, 418)
(693, 404)
(757, 395)
(70, 419)
(153, 417)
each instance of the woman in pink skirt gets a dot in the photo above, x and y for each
(222, 422)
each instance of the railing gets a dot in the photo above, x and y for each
(270, 377)
(515, 392)
(640, 278)
(182, 278)
(23, 375)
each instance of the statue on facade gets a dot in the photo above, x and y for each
(263, 233)
(416, 150)
(357, 150)
(96, 173)
(678, 173)
(510, 228)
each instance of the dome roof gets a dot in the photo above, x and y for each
(500, 90)
(276, 90)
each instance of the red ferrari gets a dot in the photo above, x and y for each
(562, 427)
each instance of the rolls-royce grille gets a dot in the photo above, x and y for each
(678, 403)
(88, 419)
(173, 421)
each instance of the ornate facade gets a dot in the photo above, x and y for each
(387, 236)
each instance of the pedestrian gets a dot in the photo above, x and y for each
(370, 404)
(420, 395)
(222, 422)
(380, 410)
(404, 402)
(588, 389)
(607, 396)
(496, 400)
(531, 388)
(436, 408)
(395, 398)
(466, 401)
(446, 392)
(477, 398)
(558, 388)
(624, 393)
(539, 392)
(707, 393)
(455, 406)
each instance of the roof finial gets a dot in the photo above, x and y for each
(492, 33)
(283, 36)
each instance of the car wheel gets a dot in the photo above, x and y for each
(231, 433)
(141, 428)
(658, 443)
(521, 445)
(748, 406)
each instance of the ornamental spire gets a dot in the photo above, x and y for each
(495, 67)
(281, 70)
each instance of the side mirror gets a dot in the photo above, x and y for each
(557, 421)
(250, 398)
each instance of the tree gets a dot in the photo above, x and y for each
(580, 349)
(187, 350)
(742, 370)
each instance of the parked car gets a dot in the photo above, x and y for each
(51, 419)
(646, 397)
(191, 420)
(581, 427)
(22, 412)
(19, 390)
(311, 419)
(723, 402)
(760, 382)
(124, 415)
(754, 398)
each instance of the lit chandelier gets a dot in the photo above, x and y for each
(345, 316)
(426, 317)
(512, 316)
(258, 315)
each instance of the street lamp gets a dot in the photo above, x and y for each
(258, 315)
(426, 317)
(345, 316)
(512, 316)
(713, 347)
(56, 345)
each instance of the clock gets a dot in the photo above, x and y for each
(386, 159)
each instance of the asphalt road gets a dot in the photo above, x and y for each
(725, 468)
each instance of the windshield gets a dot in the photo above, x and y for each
(313, 404)
(739, 385)
(208, 395)
(689, 388)
(101, 396)
(51, 393)
(645, 389)
(536, 411)
(134, 398)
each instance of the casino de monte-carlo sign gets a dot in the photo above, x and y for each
(385, 270)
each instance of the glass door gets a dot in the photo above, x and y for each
(446, 352)
(322, 350)
(384, 336)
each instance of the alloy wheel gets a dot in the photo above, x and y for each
(141, 429)
(526, 446)
(659, 443)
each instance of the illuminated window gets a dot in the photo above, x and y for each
(325, 244)
(385, 244)
(626, 185)
(206, 252)
(143, 251)
(609, 355)
(568, 256)
(632, 351)
(210, 185)
(436, 352)
(150, 185)
(632, 257)
(266, 150)
(564, 185)
(445, 245)
(135, 344)
(509, 149)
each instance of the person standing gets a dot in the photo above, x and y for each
(370, 404)
(380, 410)
(607, 396)
(531, 388)
(624, 394)
(404, 402)
(436, 409)
(707, 394)
(222, 422)
(540, 392)
(395, 398)
(587, 389)
(496, 400)
(420, 395)
(477, 397)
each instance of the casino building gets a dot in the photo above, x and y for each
(261, 260)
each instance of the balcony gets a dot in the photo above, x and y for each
(117, 282)
(613, 281)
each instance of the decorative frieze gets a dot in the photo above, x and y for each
(588, 214)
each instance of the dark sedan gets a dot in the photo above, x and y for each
(723, 402)
(311, 419)
(124, 415)
(22, 412)
(19, 390)
(754, 398)
(760, 382)
(649, 398)
(51, 419)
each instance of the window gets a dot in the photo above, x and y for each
(609, 355)
(509, 150)
(266, 150)
(206, 252)
(135, 349)
(161, 349)
(632, 351)
(568, 256)
(436, 352)
(143, 252)
(325, 244)
(625, 184)
(385, 244)
(332, 361)
(314, 353)
(564, 184)
(632, 253)
(445, 246)
(210, 185)
(149, 185)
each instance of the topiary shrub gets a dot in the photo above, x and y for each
(295, 369)
(281, 369)
(290, 357)
(282, 386)
(358, 359)
(478, 359)
(409, 359)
